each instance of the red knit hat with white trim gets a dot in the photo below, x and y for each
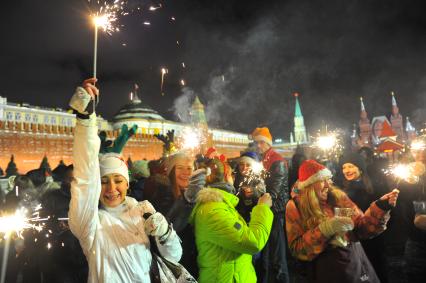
(311, 172)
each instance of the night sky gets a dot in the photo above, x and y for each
(243, 59)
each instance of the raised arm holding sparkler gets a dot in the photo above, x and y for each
(111, 227)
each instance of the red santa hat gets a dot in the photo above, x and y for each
(311, 172)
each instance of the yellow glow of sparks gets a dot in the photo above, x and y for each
(257, 167)
(326, 142)
(16, 223)
(182, 82)
(417, 145)
(100, 21)
(190, 139)
(405, 172)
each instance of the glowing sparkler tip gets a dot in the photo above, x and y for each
(257, 167)
(100, 21)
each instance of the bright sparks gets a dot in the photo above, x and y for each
(402, 171)
(257, 168)
(326, 142)
(106, 15)
(17, 223)
(190, 139)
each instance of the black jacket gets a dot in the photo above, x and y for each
(276, 183)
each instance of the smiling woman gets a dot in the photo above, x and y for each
(113, 235)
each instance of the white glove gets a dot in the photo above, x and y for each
(336, 225)
(80, 100)
(146, 207)
(156, 225)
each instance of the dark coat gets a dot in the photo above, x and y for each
(374, 248)
(177, 212)
(273, 265)
(276, 180)
(64, 261)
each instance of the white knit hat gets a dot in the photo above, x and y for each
(113, 163)
(172, 160)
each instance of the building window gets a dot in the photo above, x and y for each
(69, 122)
(9, 116)
(46, 119)
(53, 120)
(27, 117)
(35, 118)
(63, 122)
(18, 116)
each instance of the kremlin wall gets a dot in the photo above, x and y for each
(31, 132)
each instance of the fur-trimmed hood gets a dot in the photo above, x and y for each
(216, 195)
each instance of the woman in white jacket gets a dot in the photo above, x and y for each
(110, 226)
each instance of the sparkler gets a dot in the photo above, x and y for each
(182, 82)
(11, 224)
(190, 139)
(329, 144)
(18, 222)
(403, 171)
(164, 71)
(106, 19)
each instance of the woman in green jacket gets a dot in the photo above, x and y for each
(225, 242)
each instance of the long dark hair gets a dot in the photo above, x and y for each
(175, 189)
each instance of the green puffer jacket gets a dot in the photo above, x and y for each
(224, 241)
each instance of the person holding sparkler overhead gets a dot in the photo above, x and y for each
(112, 228)
(273, 267)
(324, 227)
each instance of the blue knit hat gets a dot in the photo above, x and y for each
(252, 154)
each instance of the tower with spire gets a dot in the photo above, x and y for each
(396, 120)
(198, 119)
(364, 127)
(300, 135)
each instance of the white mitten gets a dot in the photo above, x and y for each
(146, 207)
(336, 225)
(156, 225)
(80, 100)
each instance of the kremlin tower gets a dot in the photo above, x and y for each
(396, 120)
(300, 136)
(364, 127)
(198, 119)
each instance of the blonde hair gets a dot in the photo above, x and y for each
(309, 205)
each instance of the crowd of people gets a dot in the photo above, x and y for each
(207, 218)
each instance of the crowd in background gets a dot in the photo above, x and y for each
(235, 224)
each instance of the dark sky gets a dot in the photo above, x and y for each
(243, 59)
